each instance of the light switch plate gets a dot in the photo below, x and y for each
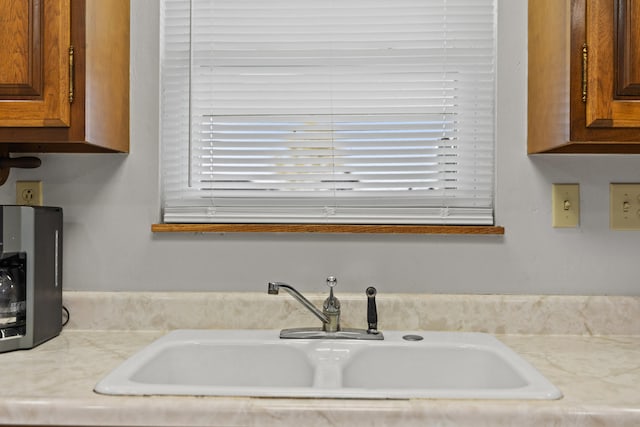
(565, 205)
(624, 206)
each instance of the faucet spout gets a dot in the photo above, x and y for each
(274, 288)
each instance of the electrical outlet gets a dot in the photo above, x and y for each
(624, 206)
(29, 193)
(565, 205)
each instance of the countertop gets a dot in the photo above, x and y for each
(52, 384)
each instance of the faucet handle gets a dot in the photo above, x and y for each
(332, 282)
(331, 304)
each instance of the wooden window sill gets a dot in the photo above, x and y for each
(327, 228)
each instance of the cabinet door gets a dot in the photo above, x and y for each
(613, 70)
(35, 67)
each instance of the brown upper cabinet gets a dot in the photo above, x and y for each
(64, 75)
(584, 76)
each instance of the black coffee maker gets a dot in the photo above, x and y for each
(30, 275)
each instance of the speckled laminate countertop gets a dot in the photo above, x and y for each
(53, 383)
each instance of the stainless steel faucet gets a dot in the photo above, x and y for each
(330, 316)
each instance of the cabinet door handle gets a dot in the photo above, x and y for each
(585, 63)
(71, 75)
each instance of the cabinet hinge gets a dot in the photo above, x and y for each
(71, 75)
(585, 63)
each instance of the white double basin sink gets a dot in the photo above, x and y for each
(257, 363)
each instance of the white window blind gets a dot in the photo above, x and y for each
(328, 111)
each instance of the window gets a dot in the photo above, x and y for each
(327, 111)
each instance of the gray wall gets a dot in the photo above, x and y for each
(110, 201)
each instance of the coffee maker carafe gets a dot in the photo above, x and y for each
(30, 275)
(13, 303)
